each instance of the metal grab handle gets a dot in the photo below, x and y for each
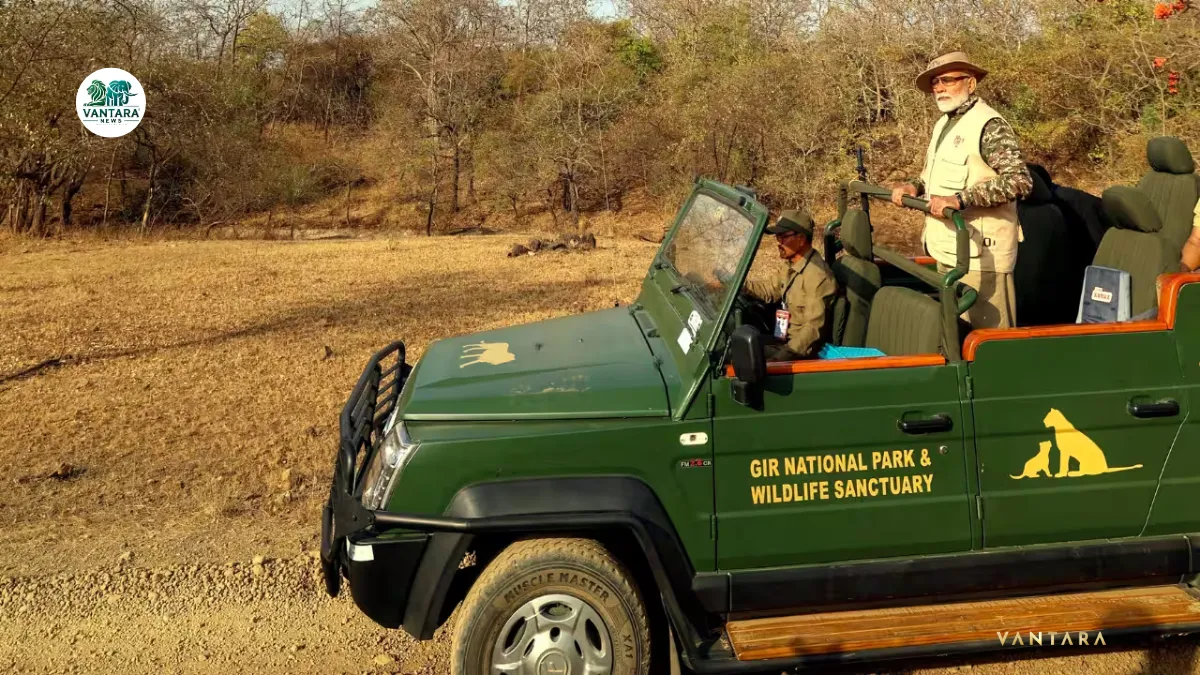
(885, 194)
(1165, 408)
(962, 239)
(939, 422)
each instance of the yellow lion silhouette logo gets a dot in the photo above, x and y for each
(1072, 444)
(493, 353)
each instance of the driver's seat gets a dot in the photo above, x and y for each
(858, 278)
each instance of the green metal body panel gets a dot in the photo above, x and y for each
(1175, 507)
(776, 506)
(1030, 394)
(588, 365)
(454, 455)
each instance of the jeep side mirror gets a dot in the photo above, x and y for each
(749, 364)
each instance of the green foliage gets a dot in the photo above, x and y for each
(533, 106)
(265, 39)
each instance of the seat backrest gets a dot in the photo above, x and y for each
(858, 278)
(1046, 265)
(1171, 186)
(1136, 246)
(904, 322)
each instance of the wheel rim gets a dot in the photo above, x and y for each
(553, 635)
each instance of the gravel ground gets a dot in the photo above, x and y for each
(272, 616)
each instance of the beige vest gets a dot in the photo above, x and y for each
(953, 167)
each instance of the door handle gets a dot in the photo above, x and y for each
(1164, 408)
(928, 425)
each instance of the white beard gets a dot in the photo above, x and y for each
(948, 104)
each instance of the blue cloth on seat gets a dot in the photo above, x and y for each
(837, 352)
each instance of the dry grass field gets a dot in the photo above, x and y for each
(188, 405)
(179, 421)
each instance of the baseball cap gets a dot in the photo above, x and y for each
(795, 220)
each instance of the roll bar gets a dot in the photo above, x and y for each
(955, 296)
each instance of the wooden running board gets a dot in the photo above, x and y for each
(842, 632)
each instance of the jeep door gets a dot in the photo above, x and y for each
(1072, 431)
(823, 472)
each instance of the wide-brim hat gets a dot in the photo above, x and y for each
(945, 63)
(793, 221)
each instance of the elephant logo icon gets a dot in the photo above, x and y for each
(492, 353)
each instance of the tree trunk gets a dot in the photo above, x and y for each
(454, 176)
(575, 204)
(19, 208)
(149, 198)
(516, 210)
(604, 174)
(432, 194)
(37, 229)
(471, 172)
(550, 205)
(72, 187)
(108, 184)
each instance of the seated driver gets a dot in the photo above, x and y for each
(804, 322)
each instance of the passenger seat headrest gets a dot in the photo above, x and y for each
(856, 234)
(1169, 155)
(1131, 209)
(1040, 194)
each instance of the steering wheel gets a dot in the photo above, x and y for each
(755, 312)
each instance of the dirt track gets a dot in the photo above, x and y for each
(233, 618)
(189, 423)
(274, 618)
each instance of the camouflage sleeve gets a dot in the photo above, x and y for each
(919, 184)
(1001, 151)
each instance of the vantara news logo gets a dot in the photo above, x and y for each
(110, 102)
(1083, 638)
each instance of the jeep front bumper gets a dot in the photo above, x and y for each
(395, 580)
(345, 525)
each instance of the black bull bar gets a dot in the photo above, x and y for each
(361, 429)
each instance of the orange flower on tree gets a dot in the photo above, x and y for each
(1162, 11)
(1173, 82)
(1159, 62)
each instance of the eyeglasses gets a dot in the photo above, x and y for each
(947, 80)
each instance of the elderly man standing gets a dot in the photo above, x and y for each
(973, 164)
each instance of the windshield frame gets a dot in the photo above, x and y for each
(747, 205)
(700, 299)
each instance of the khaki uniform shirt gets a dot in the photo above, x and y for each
(807, 289)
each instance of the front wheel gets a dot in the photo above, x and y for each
(553, 607)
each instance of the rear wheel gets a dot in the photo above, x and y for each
(553, 607)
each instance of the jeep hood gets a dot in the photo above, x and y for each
(585, 366)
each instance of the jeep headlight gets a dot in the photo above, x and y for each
(385, 466)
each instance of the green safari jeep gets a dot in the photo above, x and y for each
(636, 489)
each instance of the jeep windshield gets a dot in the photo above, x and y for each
(706, 249)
